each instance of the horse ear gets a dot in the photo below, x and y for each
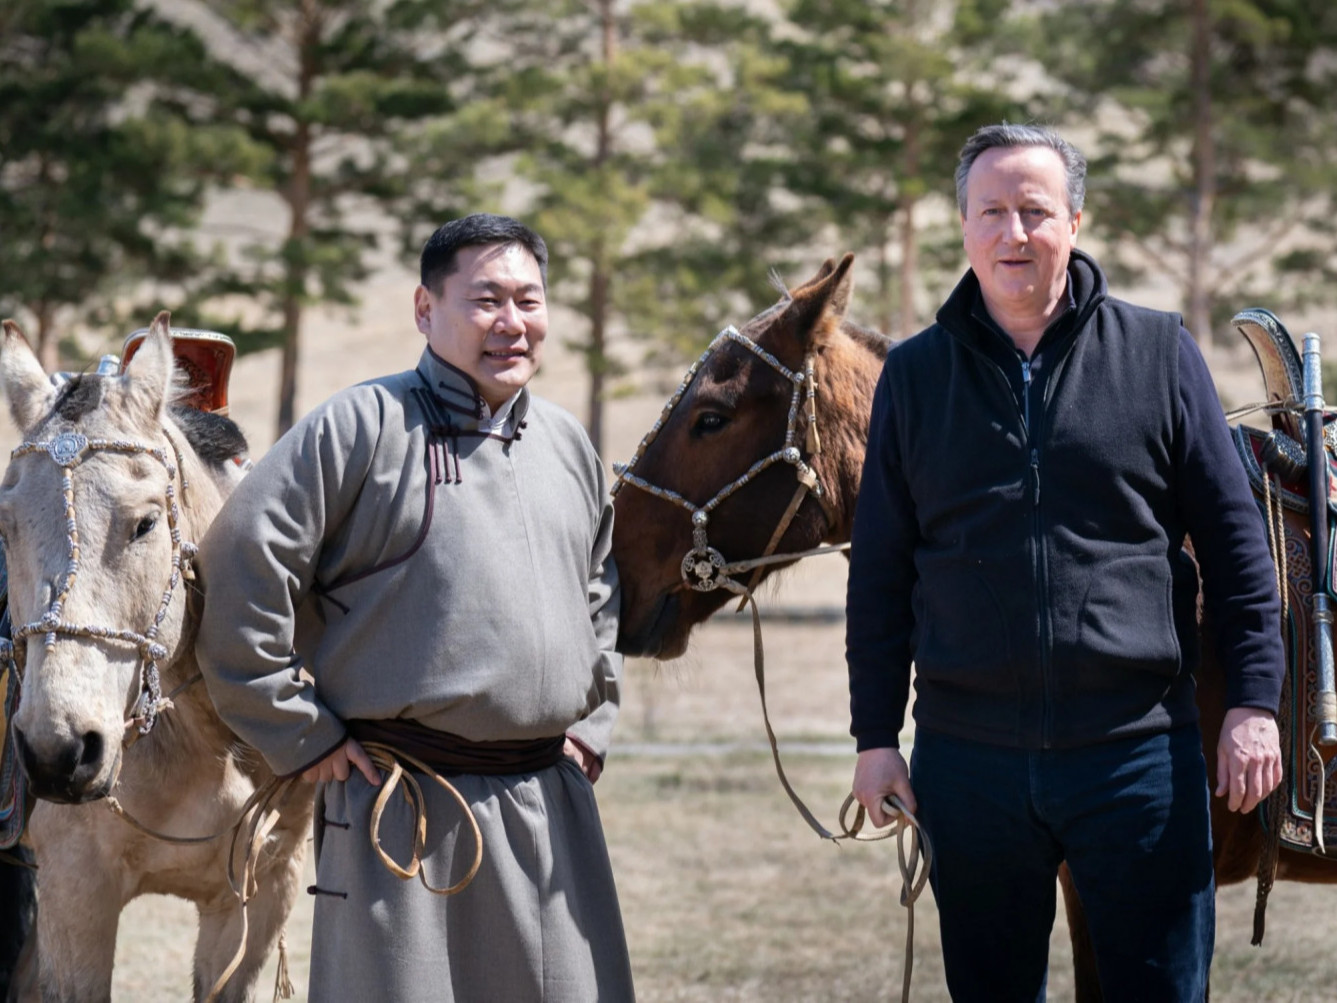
(148, 377)
(820, 304)
(25, 383)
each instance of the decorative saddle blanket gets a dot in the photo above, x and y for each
(206, 359)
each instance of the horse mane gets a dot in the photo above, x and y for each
(871, 339)
(215, 438)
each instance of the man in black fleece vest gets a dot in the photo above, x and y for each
(1035, 461)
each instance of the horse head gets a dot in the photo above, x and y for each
(723, 464)
(98, 510)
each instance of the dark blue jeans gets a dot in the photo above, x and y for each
(1130, 817)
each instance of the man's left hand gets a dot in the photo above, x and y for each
(587, 761)
(1248, 758)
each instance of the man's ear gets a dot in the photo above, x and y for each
(422, 309)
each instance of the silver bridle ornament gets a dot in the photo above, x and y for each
(67, 451)
(704, 568)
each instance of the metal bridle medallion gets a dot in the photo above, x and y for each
(701, 569)
(67, 448)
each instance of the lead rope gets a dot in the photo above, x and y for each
(393, 760)
(262, 812)
(915, 862)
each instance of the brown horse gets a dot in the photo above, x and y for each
(733, 413)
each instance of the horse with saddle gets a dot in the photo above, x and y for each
(118, 474)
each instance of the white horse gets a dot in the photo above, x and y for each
(99, 509)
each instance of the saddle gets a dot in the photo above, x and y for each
(205, 357)
(1302, 814)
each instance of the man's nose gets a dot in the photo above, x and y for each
(509, 320)
(1016, 228)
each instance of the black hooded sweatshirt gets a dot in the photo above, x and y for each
(1020, 528)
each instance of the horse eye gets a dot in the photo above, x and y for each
(145, 526)
(709, 421)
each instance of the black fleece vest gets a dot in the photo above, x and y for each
(1054, 606)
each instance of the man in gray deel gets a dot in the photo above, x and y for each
(423, 562)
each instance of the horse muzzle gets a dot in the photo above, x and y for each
(71, 770)
(651, 635)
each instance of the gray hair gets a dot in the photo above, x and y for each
(1005, 134)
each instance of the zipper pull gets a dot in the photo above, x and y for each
(1026, 393)
(1035, 473)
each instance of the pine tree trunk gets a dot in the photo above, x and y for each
(1198, 293)
(48, 345)
(295, 280)
(886, 308)
(909, 245)
(298, 197)
(909, 269)
(597, 364)
(600, 274)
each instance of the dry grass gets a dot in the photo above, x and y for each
(726, 894)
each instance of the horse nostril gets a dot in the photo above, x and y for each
(92, 749)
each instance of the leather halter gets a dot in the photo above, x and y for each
(703, 567)
(67, 451)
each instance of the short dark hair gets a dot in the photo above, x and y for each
(438, 254)
(1005, 134)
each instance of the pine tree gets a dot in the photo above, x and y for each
(629, 125)
(340, 82)
(106, 149)
(1212, 167)
(895, 87)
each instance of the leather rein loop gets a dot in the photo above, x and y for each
(264, 809)
(915, 863)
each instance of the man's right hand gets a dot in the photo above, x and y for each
(336, 766)
(877, 773)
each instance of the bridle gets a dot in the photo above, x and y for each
(67, 451)
(703, 567)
